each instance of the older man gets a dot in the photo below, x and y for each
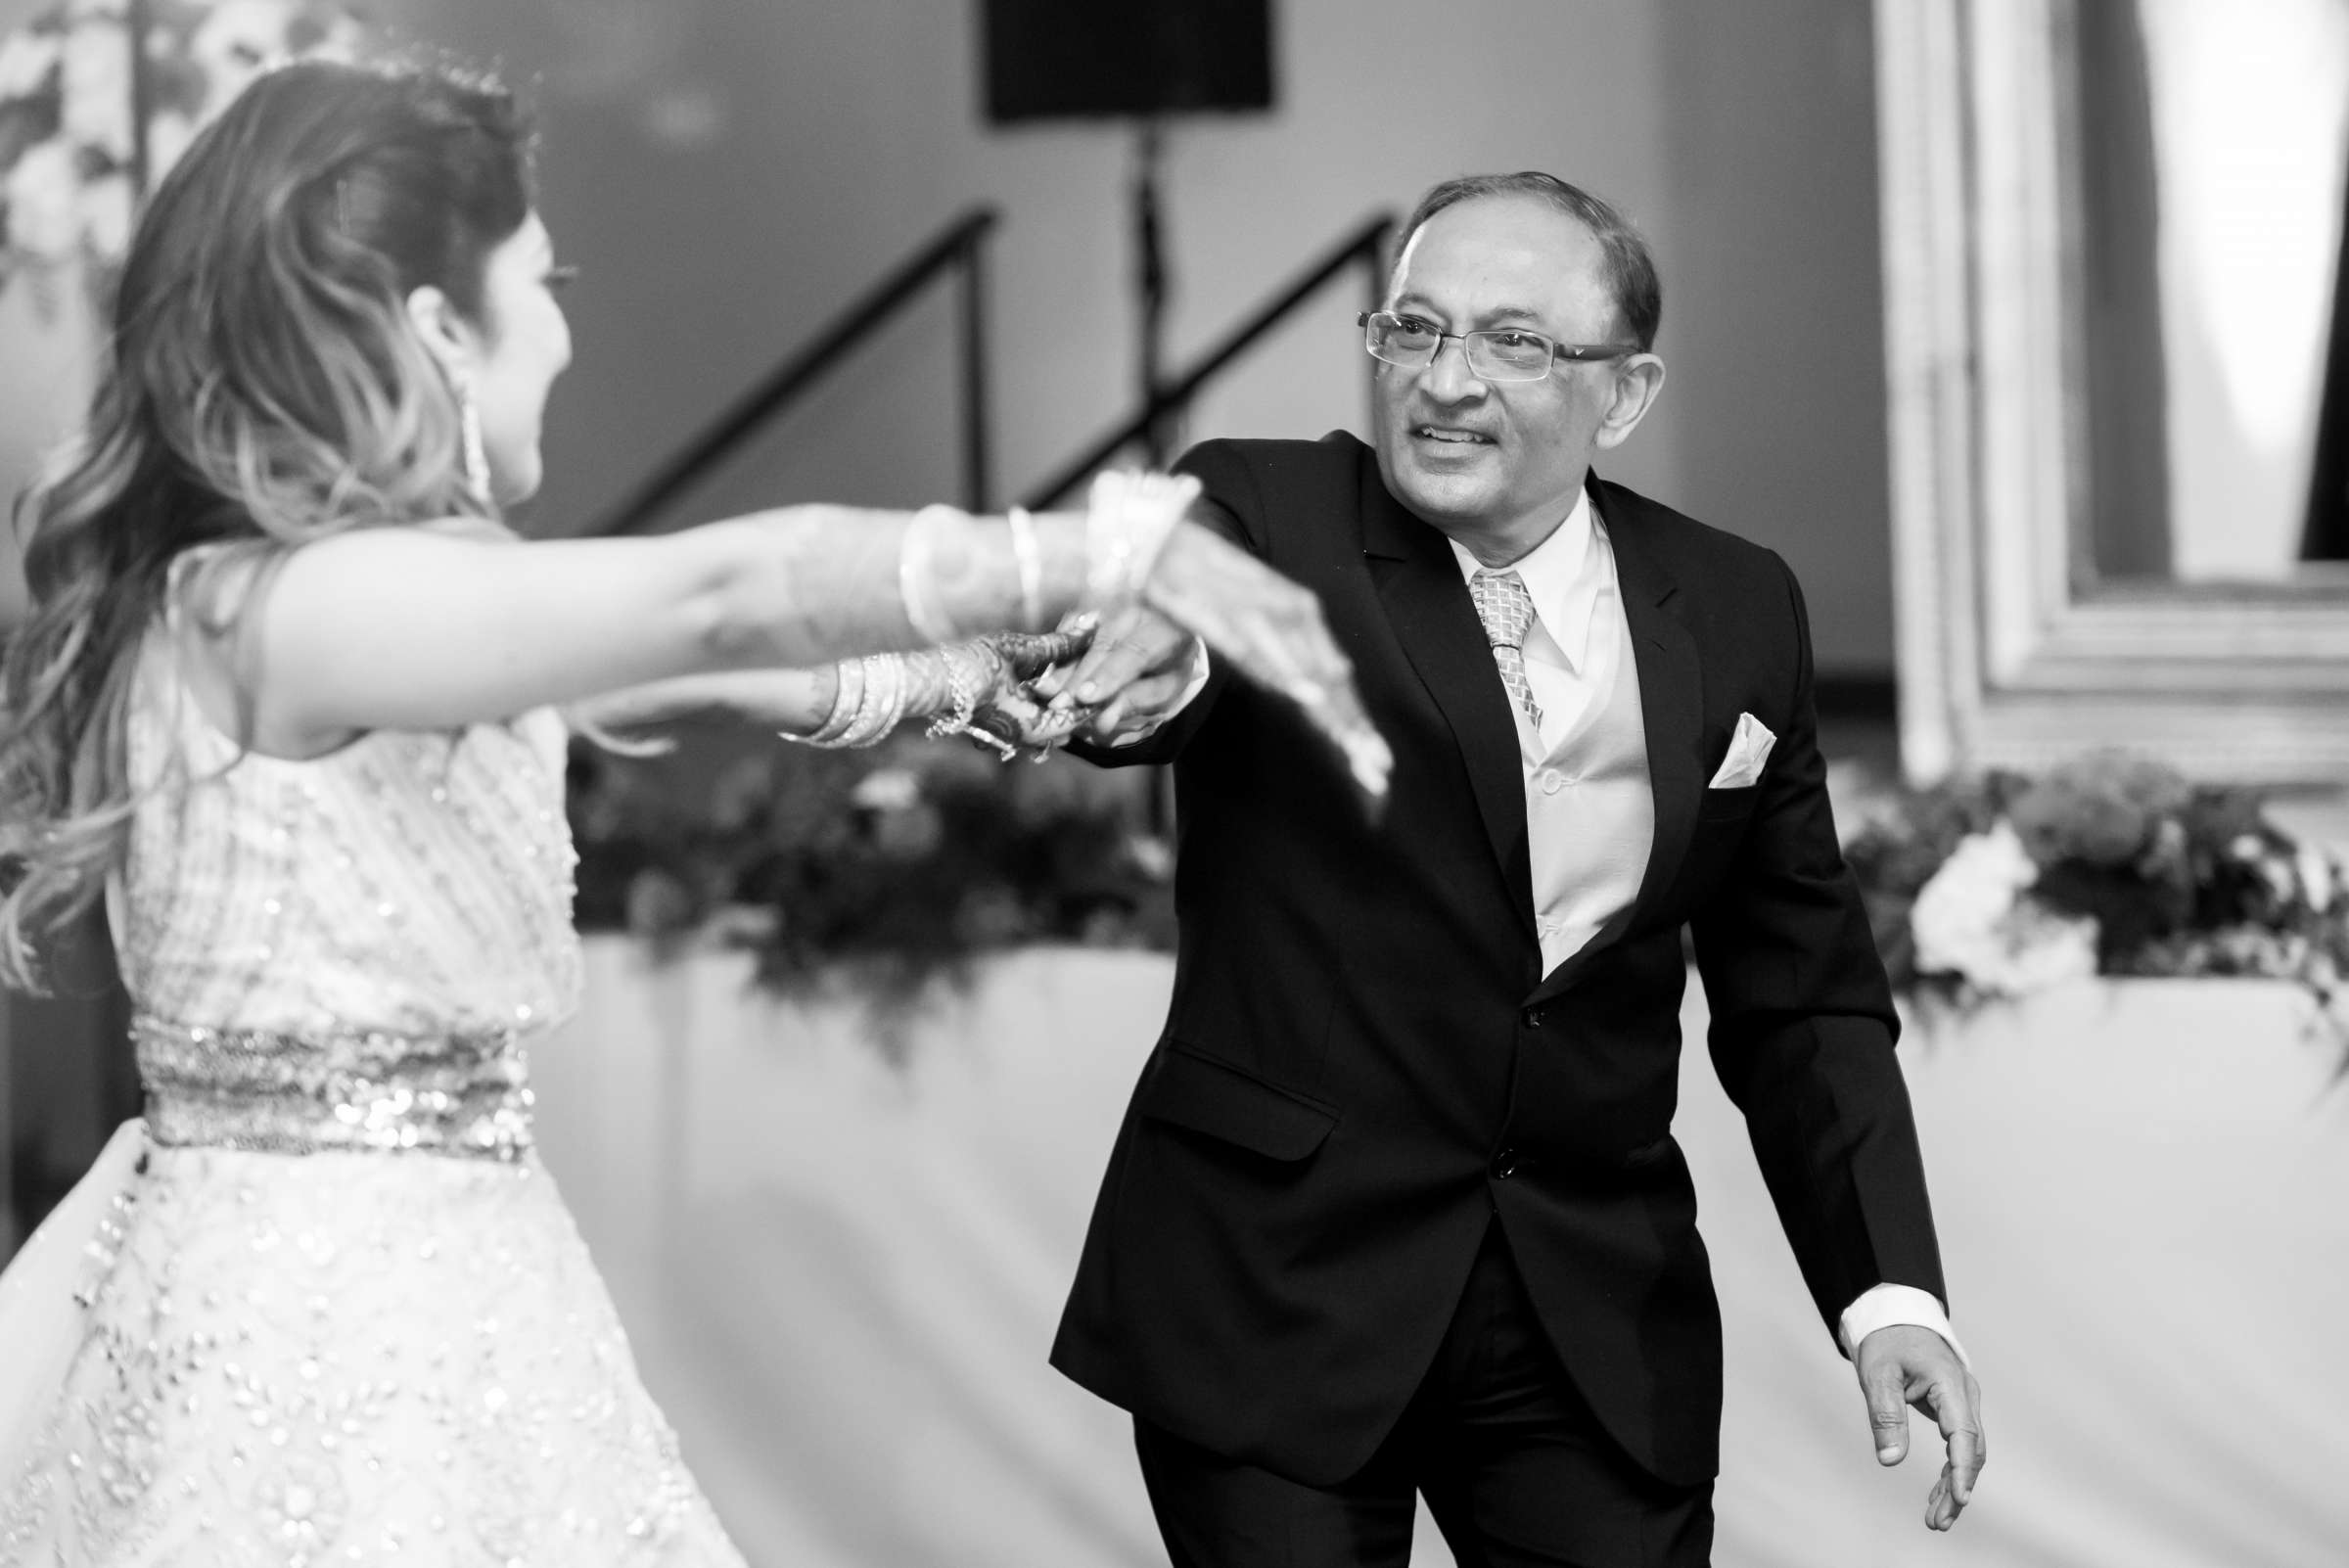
(1397, 1207)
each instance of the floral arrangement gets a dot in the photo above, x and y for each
(2109, 865)
(71, 102)
(878, 871)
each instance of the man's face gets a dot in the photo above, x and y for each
(1498, 464)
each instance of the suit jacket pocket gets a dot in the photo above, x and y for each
(1189, 1090)
(1729, 806)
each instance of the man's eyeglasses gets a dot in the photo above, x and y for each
(1503, 353)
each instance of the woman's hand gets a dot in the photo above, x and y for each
(1271, 631)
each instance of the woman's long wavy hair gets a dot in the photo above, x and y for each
(262, 387)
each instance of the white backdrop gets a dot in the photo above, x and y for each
(842, 1277)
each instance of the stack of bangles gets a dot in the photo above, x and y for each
(1129, 518)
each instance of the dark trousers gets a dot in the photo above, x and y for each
(1515, 1467)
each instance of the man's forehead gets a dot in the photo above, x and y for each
(1521, 253)
(1505, 224)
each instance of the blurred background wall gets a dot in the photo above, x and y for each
(728, 172)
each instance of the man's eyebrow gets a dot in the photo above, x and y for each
(1419, 304)
(1509, 312)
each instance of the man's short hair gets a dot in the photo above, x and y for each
(1631, 267)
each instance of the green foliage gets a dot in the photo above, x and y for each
(880, 869)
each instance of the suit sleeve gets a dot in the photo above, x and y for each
(1802, 1029)
(1227, 501)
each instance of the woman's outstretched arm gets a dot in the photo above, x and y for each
(420, 628)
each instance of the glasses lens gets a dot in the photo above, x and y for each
(1401, 340)
(1509, 356)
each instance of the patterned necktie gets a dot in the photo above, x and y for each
(1508, 611)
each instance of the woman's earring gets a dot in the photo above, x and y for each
(476, 459)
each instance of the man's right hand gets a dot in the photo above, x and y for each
(1135, 676)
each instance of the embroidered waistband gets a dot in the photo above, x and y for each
(305, 1094)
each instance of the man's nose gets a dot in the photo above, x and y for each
(1449, 377)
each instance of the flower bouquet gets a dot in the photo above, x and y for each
(875, 871)
(2109, 865)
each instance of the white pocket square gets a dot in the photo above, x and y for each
(1749, 749)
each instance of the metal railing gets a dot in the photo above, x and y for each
(960, 247)
(1365, 246)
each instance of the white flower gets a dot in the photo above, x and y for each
(105, 209)
(167, 137)
(97, 101)
(25, 60)
(44, 218)
(236, 43)
(2318, 879)
(886, 789)
(1973, 918)
(341, 43)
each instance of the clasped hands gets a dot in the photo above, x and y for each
(1137, 665)
(1109, 683)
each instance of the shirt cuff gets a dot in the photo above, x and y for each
(1887, 1305)
(1191, 689)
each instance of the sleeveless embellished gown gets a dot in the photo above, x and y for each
(339, 1313)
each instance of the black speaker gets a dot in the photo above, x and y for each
(1090, 59)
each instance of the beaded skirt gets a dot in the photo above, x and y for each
(339, 1313)
(350, 1356)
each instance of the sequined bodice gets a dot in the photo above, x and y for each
(411, 883)
(347, 952)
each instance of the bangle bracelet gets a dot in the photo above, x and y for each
(885, 688)
(878, 682)
(918, 576)
(847, 696)
(1029, 561)
(1129, 518)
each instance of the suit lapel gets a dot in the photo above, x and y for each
(1428, 607)
(1671, 712)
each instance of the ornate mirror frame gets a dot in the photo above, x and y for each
(2002, 660)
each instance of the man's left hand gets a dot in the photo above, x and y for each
(1902, 1365)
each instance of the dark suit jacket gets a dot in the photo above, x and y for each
(1363, 1061)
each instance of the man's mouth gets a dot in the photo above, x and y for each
(1451, 435)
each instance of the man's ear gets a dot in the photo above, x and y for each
(446, 335)
(1639, 380)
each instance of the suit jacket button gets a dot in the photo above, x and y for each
(1533, 1018)
(1504, 1164)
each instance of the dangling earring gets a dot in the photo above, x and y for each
(476, 459)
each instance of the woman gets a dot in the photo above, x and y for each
(287, 702)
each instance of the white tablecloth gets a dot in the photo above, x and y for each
(842, 1276)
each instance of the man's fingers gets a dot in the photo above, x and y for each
(1958, 1411)
(1145, 700)
(1940, 1506)
(1138, 642)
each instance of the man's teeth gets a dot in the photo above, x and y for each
(1463, 435)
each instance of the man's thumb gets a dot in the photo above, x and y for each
(1888, 1418)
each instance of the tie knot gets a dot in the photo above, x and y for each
(1503, 605)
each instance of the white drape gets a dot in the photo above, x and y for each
(841, 1278)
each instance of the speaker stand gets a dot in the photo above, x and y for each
(1150, 277)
